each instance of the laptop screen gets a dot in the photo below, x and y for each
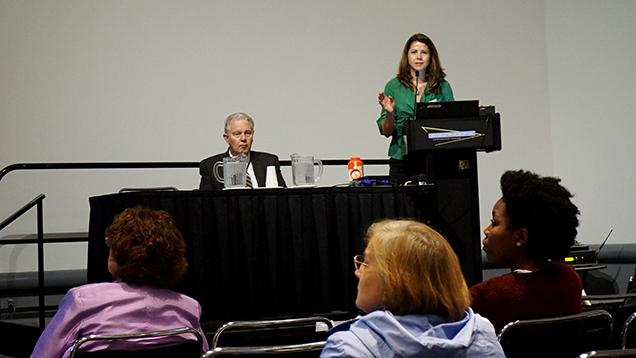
(440, 110)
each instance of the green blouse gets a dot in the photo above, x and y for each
(405, 109)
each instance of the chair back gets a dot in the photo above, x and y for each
(610, 300)
(192, 348)
(565, 336)
(618, 306)
(295, 350)
(271, 332)
(628, 336)
(292, 337)
(612, 353)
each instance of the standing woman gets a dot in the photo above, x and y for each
(400, 94)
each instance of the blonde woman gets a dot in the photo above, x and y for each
(415, 298)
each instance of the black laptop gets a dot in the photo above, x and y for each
(455, 109)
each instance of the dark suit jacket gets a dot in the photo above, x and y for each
(260, 161)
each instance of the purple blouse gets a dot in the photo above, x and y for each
(117, 308)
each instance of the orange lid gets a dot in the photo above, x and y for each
(354, 161)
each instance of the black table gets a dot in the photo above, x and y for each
(259, 253)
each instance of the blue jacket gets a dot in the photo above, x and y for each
(381, 334)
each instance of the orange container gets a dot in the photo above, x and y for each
(356, 170)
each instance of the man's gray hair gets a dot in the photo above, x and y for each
(237, 115)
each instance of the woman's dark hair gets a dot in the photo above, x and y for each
(434, 72)
(147, 247)
(542, 206)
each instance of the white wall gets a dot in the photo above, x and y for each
(592, 79)
(102, 81)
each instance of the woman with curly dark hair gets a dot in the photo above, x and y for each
(533, 227)
(420, 78)
(147, 256)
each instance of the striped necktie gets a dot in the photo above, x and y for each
(248, 180)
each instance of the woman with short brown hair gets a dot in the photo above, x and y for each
(147, 256)
(146, 248)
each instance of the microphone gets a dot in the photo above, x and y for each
(417, 78)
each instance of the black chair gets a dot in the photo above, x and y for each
(628, 336)
(191, 348)
(613, 353)
(618, 305)
(296, 335)
(565, 336)
(611, 300)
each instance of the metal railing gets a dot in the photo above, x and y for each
(106, 165)
(150, 165)
(37, 201)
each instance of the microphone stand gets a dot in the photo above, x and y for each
(422, 178)
(417, 78)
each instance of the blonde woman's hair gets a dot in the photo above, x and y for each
(420, 271)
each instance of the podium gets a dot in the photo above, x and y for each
(445, 150)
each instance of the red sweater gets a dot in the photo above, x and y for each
(555, 291)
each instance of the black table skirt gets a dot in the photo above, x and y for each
(267, 252)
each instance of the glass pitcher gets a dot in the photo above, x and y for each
(234, 169)
(303, 170)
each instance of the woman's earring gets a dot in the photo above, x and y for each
(518, 244)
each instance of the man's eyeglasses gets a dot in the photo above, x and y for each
(358, 261)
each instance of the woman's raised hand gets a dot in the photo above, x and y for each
(386, 102)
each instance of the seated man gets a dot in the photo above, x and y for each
(239, 135)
